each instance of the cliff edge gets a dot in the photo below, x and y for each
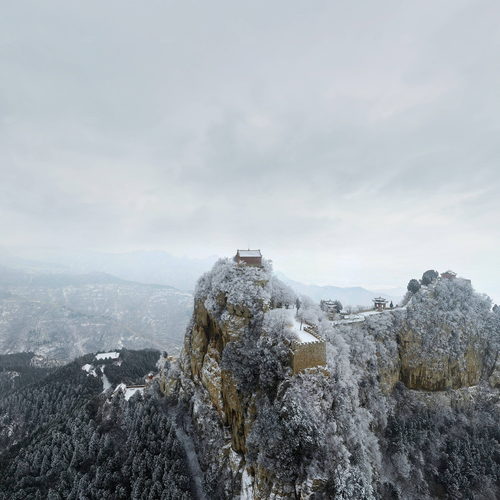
(379, 419)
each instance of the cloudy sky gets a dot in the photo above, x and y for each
(355, 143)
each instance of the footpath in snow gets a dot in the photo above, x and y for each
(295, 325)
(189, 449)
(361, 316)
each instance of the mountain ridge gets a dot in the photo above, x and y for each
(63, 315)
(349, 296)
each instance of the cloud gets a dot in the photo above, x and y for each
(357, 143)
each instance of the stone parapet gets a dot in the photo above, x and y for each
(308, 354)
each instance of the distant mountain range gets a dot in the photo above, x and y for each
(157, 267)
(77, 305)
(151, 267)
(61, 315)
(353, 296)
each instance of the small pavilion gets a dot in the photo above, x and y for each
(380, 303)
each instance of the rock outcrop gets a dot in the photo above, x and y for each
(448, 371)
(219, 374)
(263, 431)
(203, 354)
(440, 341)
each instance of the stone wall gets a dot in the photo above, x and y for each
(308, 354)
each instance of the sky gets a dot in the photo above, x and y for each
(355, 143)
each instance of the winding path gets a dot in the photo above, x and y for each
(189, 450)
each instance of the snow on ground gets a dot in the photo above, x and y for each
(294, 324)
(371, 313)
(361, 316)
(347, 321)
(107, 355)
(130, 391)
(89, 369)
(106, 384)
(305, 337)
(246, 486)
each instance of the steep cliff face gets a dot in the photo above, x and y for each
(346, 430)
(204, 350)
(445, 337)
(447, 371)
(236, 367)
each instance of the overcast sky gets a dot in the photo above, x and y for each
(355, 143)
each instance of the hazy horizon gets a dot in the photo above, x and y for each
(355, 144)
(84, 262)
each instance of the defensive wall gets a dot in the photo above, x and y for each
(308, 354)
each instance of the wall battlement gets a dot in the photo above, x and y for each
(308, 354)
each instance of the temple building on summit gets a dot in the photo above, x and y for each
(249, 257)
(450, 275)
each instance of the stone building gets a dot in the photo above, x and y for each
(308, 354)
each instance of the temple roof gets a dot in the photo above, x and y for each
(249, 253)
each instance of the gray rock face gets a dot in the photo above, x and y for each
(405, 396)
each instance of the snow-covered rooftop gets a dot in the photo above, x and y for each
(89, 369)
(107, 355)
(130, 390)
(249, 253)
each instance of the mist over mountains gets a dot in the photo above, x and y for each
(158, 267)
(249, 250)
(61, 316)
(352, 296)
(150, 267)
(63, 306)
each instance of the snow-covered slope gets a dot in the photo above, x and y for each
(64, 316)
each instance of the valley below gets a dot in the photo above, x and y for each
(61, 316)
